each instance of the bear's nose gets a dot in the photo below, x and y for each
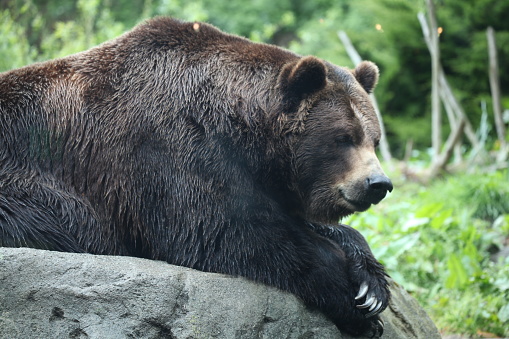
(378, 185)
(380, 182)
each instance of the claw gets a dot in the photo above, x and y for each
(375, 311)
(378, 308)
(369, 300)
(382, 325)
(362, 290)
(373, 305)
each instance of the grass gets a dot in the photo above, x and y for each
(438, 241)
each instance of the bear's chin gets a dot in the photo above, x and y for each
(334, 214)
(358, 206)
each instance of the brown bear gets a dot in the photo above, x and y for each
(181, 143)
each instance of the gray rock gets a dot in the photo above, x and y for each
(47, 294)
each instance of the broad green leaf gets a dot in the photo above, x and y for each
(458, 276)
(441, 218)
(413, 223)
(503, 313)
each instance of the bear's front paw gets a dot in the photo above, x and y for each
(373, 290)
(369, 296)
(371, 302)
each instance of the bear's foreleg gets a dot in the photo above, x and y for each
(365, 271)
(292, 257)
(25, 222)
(39, 213)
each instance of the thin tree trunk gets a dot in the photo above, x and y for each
(495, 92)
(408, 150)
(436, 118)
(356, 59)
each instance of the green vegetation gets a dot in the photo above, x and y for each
(436, 240)
(439, 242)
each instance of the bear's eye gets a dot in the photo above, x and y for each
(344, 140)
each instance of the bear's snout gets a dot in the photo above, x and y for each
(360, 194)
(377, 187)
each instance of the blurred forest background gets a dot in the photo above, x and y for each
(443, 233)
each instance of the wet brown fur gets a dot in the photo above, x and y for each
(178, 142)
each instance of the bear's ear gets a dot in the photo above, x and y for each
(301, 78)
(366, 74)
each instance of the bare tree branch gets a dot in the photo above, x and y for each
(447, 95)
(453, 139)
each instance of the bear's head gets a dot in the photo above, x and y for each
(335, 132)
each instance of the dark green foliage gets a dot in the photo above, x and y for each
(487, 197)
(464, 48)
